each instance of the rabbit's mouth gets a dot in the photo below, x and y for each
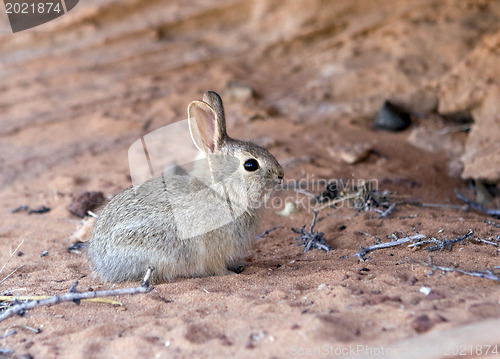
(278, 184)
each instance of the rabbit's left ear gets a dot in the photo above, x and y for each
(204, 125)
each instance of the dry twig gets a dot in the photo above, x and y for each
(495, 224)
(388, 211)
(312, 239)
(398, 241)
(487, 242)
(439, 205)
(443, 244)
(11, 273)
(11, 255)
(477, 206)
(72, 296)
(420, 240)
(362, 197)
(487, 274)
(265, 233)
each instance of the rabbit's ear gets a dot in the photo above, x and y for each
(204, 125)
(214, 100)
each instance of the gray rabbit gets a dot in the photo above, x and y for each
(193, 224)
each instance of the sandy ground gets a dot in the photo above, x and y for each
(77, 92)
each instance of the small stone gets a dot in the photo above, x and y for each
(40, 210)
(258, 336)
(422, 323)
(415, 300)
(84, 202)
(351, 154)
(236, 90)
(255, 337)
(392, 118)
(425, 290)
(19, 209)
(77, 247)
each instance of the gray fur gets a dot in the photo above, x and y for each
(179, 224)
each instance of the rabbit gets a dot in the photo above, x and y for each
(191, 225)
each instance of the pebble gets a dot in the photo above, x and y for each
(422, 323)
(84, 202)
(351, 154)
(392, 118)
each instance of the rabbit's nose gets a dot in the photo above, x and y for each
(281, 173)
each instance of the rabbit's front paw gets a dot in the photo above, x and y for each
(237, 267)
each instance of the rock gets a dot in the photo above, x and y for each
(236, 90)
(467, 84)
(434, 139)
(252, 106)
(85, 201)
(482, 150)
(422, 323)
(351, 154)
(392, 118)
(472, 86)
(422, 101)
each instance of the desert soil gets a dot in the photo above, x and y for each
(303, 79)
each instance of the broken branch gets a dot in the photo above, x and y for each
(265, 233)
(365, 250)
(312, 239)
(481, 274)
(477, 206)
(495, 224)
(21, 308)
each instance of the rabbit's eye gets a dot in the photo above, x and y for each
(251, 165)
